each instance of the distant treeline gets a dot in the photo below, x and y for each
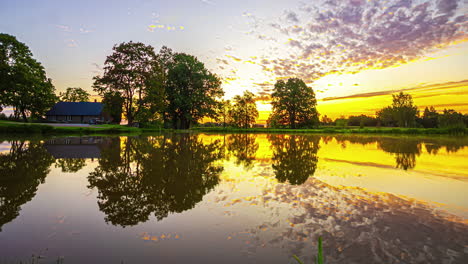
(403, 113)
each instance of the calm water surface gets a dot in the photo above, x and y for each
(235, 198)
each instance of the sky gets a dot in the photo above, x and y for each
(353, 53)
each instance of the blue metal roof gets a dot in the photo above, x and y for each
(78, 108)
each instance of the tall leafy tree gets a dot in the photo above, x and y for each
(24, 84)
(192, 92)
(243, 112)
(133, 72)
(404, 111)
(294, 104)
(74, 95)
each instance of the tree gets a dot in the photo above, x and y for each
(113, 103)
(326, 120)
(192, 91)
(451, 118)
(294, 104)
(24, 84)
(403, 109)
(385, 116)
(223, 112)
(430, 117)
(133, 72)
(243, 112)
(74, 95)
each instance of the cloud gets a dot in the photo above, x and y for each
(71, 43)
(234, 58)
(64, 28)
(85, 31)
(153, 27)
(208, 2)
(291, 16)
(349, 36)
(430, 87)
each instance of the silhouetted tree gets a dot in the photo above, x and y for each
(430, 117)
(294, 104)
(451, 118)
(133, 72)
(243, 112)
(113, 103)
(294, 157)
(74, 95)
(192, 91)
(385, 117)
(23, 81)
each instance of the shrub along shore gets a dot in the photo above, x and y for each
(35, 128)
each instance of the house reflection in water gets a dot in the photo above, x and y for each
(76, 147)
(71, 153)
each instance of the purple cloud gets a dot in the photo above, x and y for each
(349, 36)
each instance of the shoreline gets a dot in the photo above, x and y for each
(40, 128)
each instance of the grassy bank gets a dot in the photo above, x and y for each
(34, 128)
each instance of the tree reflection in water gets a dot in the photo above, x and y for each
(294, 157)
(244, 148)
(22, 170)
(405, 149)
(70, 165)
(164, 174)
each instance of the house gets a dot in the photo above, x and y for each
(77, 112)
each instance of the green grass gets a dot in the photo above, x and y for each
(319, 258)
(8, 127)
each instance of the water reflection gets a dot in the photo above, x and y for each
(359, 226)
(294, 157)
(158, 175)
(71, 152)
(244, 148)
(22, 169)
(405, 149)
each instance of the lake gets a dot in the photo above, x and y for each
(234, 198)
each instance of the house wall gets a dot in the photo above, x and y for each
(74, 119)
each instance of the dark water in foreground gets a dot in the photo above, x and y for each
(236, 198)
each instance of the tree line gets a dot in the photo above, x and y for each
(403, 113)
(176, 90)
